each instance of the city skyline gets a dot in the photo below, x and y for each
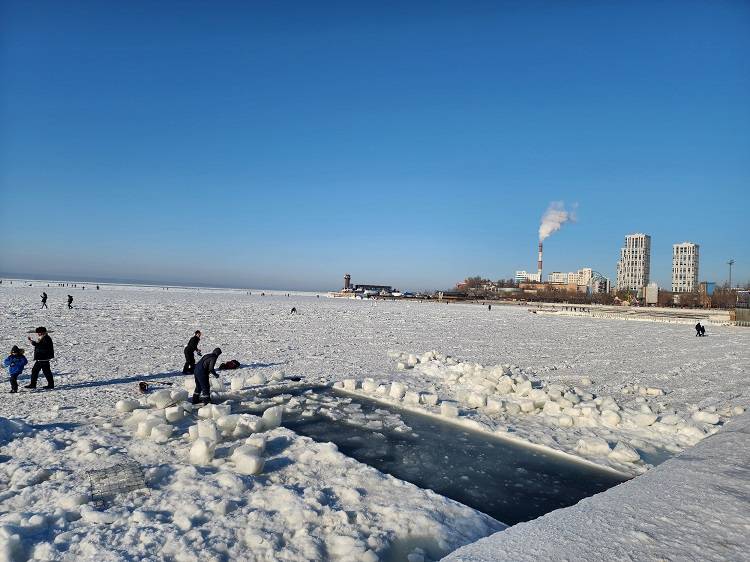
(410, 145)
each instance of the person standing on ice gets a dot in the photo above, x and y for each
(698, 329)
(44, 351)
(15, 362)
(44, 300)
(190, 349)
(206, 366)
(70, 301)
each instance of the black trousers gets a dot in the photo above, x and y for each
(45, 368)
(14, 383)
(189, 362)
(202, 391)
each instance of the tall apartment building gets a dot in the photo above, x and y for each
(634, 266)
(685, 267)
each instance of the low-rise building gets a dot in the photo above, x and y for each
(525, 276)
(557, 277)
(652, 294)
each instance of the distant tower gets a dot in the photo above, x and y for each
(347, 281)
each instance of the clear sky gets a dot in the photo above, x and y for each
(283, 144)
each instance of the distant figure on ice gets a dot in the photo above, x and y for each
(70, 301)
(489, 307)
(698, 329)
(15, 362)
(43, 352)
(206, 366)
(44, 300)
(294, 310)
(190, 349)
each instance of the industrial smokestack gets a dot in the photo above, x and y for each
(539, 263)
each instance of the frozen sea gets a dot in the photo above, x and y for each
(312, 502)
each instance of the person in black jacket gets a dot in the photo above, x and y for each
(43, 352)
(190, 349)
(44, 300)
(206, 366)
(70, 301)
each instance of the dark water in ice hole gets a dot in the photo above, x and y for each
(509, 482)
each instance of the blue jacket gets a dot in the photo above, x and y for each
(15, 364)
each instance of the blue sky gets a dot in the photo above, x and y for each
(284, 144)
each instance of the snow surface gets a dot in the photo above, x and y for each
(309, 501)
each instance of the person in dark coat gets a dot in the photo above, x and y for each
(43, 352)
(15, 362)
(206, 366)
(698, 329)
(70, 301)
(44, 300)
(190, 349)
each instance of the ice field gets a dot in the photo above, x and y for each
(632, 398)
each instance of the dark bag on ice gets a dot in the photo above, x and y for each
(231, 364)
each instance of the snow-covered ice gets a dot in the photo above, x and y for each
(551, 381)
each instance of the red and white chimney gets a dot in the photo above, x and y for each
(539, 263)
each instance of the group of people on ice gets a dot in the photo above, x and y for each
(202, 369)
(44, 300)
(44, 351)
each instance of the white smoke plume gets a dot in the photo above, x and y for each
(555, 216)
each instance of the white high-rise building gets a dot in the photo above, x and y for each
(634, 266)
(685, 267)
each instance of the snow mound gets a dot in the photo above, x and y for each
(10, 429)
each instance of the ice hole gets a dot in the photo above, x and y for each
(512, 483)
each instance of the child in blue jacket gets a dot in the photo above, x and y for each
(15, 362)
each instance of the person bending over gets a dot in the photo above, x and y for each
(206, 366)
